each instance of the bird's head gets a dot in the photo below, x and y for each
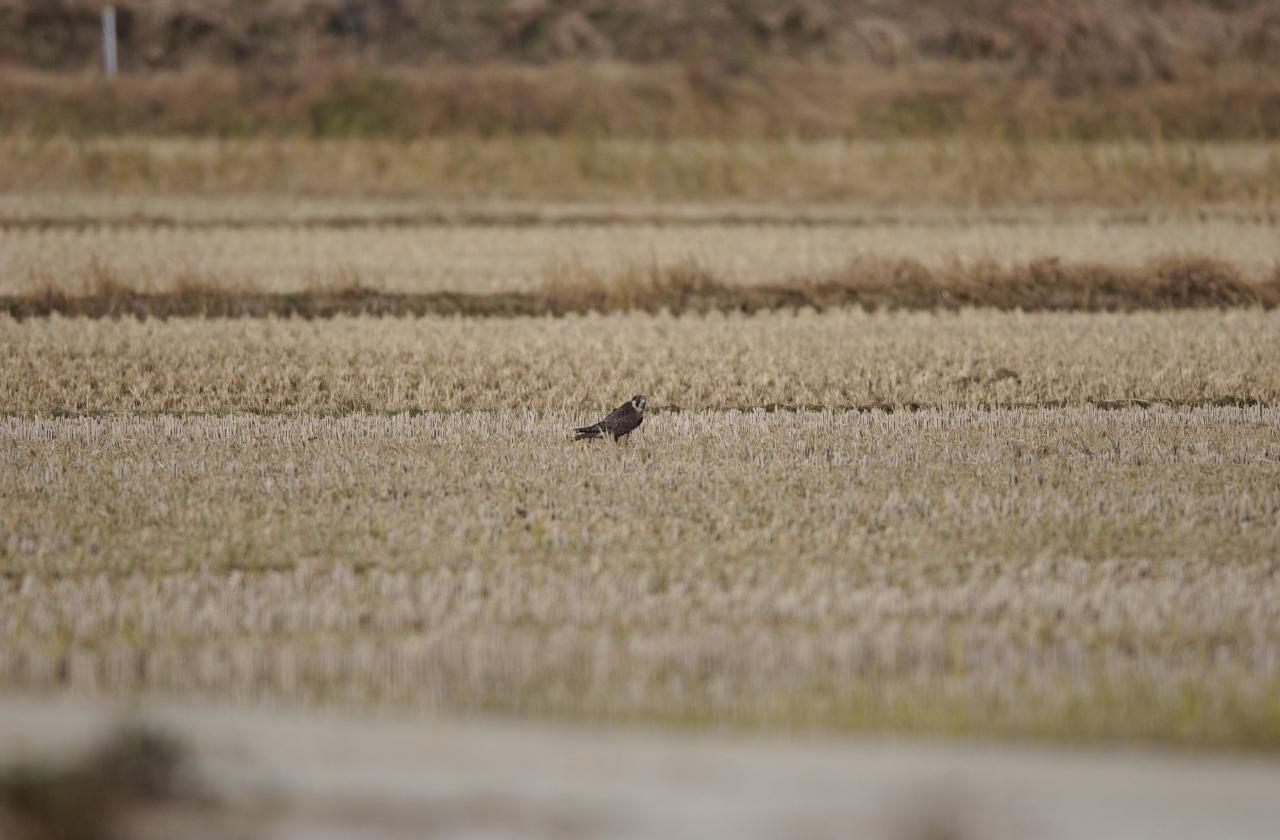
(638, 402)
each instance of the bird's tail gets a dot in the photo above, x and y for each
(588, 433)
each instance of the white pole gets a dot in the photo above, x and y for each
(109, 41)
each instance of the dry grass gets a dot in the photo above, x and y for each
(837, 359)
(888, 520)
(1232, 101)
(68, 245)
(684, 287)
(1188, 283)
(672, 68)
(907, 284)
(969, 172)
(1066, 573)
(1082, 45)
(83, 211)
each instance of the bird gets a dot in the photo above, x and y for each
(622, 421)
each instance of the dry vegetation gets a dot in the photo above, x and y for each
(1054, 573)
(775, 68)
(839, 514)
(1096, 43)
(140, 210)
(67, 247)
(917, 522)
(1049, 284)
(607, 99)
(843, 358)
(978, 172)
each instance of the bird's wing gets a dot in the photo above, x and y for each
(623, 420)
(606, 423)
(616, 417)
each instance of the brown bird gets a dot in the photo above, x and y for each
(622, 421)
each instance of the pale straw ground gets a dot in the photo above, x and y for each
(156, 244)
(1060, 527)
(838, 359)
(1070, 573)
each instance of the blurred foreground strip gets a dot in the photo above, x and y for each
(276, 774)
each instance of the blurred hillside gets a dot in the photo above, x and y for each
(1089, 42)
(1079, 42)
(790, 67)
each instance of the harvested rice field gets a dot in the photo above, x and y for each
(835, 360)
(497, 250)
(942, 468)
(673, 419)
(953, 171)
(1055, 525)
(1055, 573)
